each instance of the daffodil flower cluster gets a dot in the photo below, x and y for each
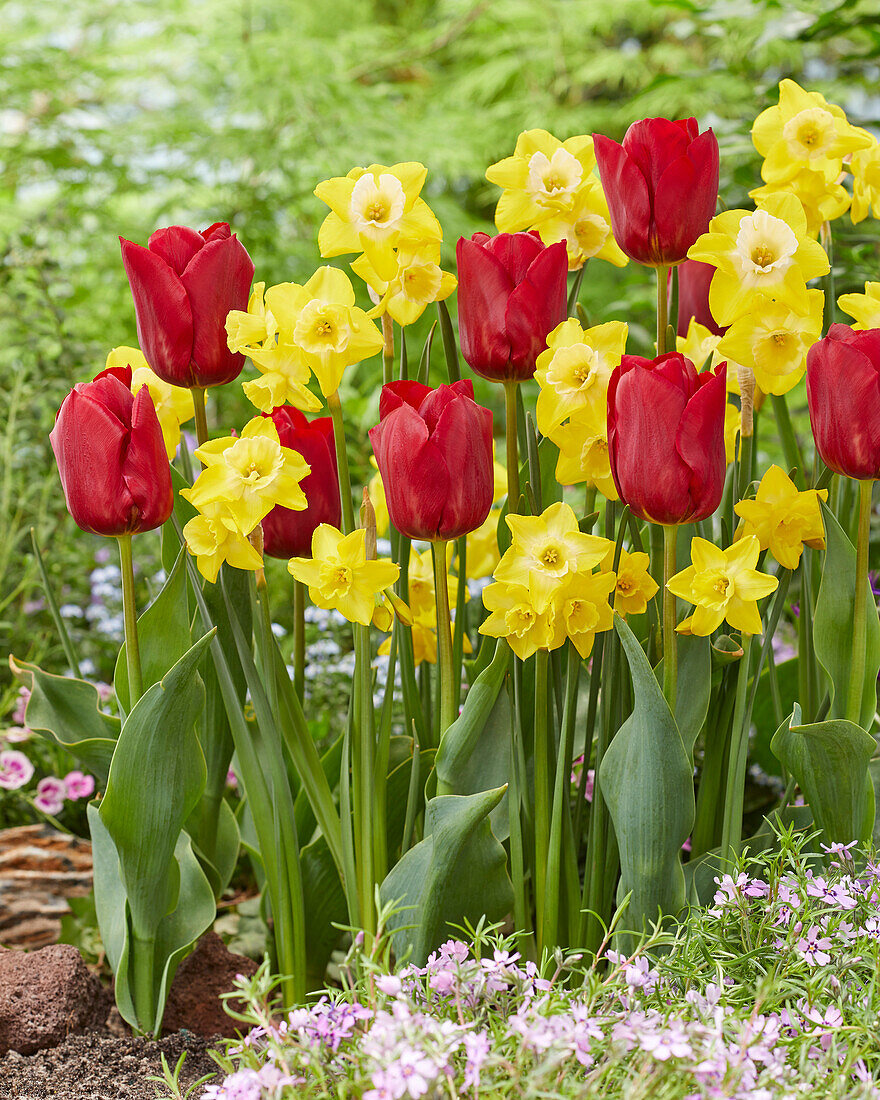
(863, 308)
(545, 587)
(243, 479)
(573, 375)
(783, 519)
(549, 185)
(291, 332)
(379, 212)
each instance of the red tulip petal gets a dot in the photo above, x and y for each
(685, 197)
(217, 232)
(654, 144)
(464, 437)
(700, 442)
(483, 289)
(122, 373)
(694, 278)
(843, 393)
(629, 201)
(403, 392)
(145, 467)
(162, 309)
(414, 473)
(536, 306)
(176, 245)
(516, 252)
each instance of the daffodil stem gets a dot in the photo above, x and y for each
(670, 647)
(299, 639)
(129, 608)
(731, 828)
(857, 664)
(201, 414)
(363, 765)
(335, 407)
(542, 794)
(662, 307)
(388, 350)
(445, 669)
(510, 391)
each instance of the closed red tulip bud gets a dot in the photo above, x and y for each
(661, 185)
(694, 278)
(843, 393)
(184, 284)
(434, 451)
(666, 437)
(111, 457)
(287, 533)
(511, 295)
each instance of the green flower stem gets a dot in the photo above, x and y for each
(388, 350)
(662, 308)
(542, 794)
(201, 414)
(299, 639)
(857, 664)
(143, 951)
(363, 755)
(132, 649)
(794, 459)
(510, 427)
(335, 407)
(731, 827)
(670, 641)
(445, 667)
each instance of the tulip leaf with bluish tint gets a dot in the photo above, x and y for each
(694, 687)
(646, 778)
(830, 762)
(458, 871)
(67, 711)
(833, 623)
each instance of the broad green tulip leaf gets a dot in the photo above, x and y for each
(218, 823)
(67, 711)
(458, 871)
(163, 635)
(764, 716)
(646, 778)
(694, 687)
(474, 753)
(833, 623)
(830, 762)
(874, 772)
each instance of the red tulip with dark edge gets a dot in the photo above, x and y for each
(434, 451)
(287, 533)
(694, 278)
(111, 457)
(661, 185)
(511, 295)
(666, 437)
(843, 393)
(184, 284)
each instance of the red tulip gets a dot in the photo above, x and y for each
(666, 437)
(693, 296)
(286, 533)
(511, 294)
(843, 393)
(661, 185)
(184, 284)
(111, 458)
(434, 450)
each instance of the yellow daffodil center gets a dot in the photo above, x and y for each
(580, 616)
(322, 328)
(623, 586)
(421, 282)
(553, 177)
(574, 369)
(520, 620)
(590, 232)
(764, 249)
(809, 132)
(377, 204)
(550, 557)
(256, 461)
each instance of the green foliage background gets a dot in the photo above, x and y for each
(116, 118)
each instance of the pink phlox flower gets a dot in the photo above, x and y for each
(15, 770)
(389, 984)
(24, 695)
(871, 928)
(639, 974)
(755, 888)
(670, 1041)
(454, 950)
(17, 735)
(243, 1085)
(51, 795)
(412, 1074)
(842, 851)
(477, 1048)
(840, 895)
(78, 785)
(825, 1023)
(814, 948)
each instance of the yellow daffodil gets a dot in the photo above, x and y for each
(372, 210)
(540, 178)
(214, 538)
(582, 608)
(522, 616)
(773, 340)
(822, 202)
(249, 475)
(723, 584)
(546, 548)
(783, 519)
(863, 308)
(417, 282)
(583, 451)
(865, 168)
(766, 251)
(340, 577)
(804, 130)
(252, 327)
(634, 586)
(174, 405)
(585, 228)
(482, 547)
(574, 370)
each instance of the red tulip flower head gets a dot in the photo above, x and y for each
(843, 393)
(111, 457)
(666, 437)
(184, 283)
(286, 533)
(694, 278)
(661, 185)
(434, 451)
(511, 295)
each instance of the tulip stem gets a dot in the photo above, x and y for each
(299, 639)
(445, 668)
(132, 649)
(662, 307)
(510, 392)
(201, 413)
(670, 649)
(857, 664)
(335, 407)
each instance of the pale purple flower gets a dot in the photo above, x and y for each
(389, 984)
(813, 948)
(668, 1042)
(243, 1085)
(412, 1074)
(79, 785)
(477, 1047)
(15, 770)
